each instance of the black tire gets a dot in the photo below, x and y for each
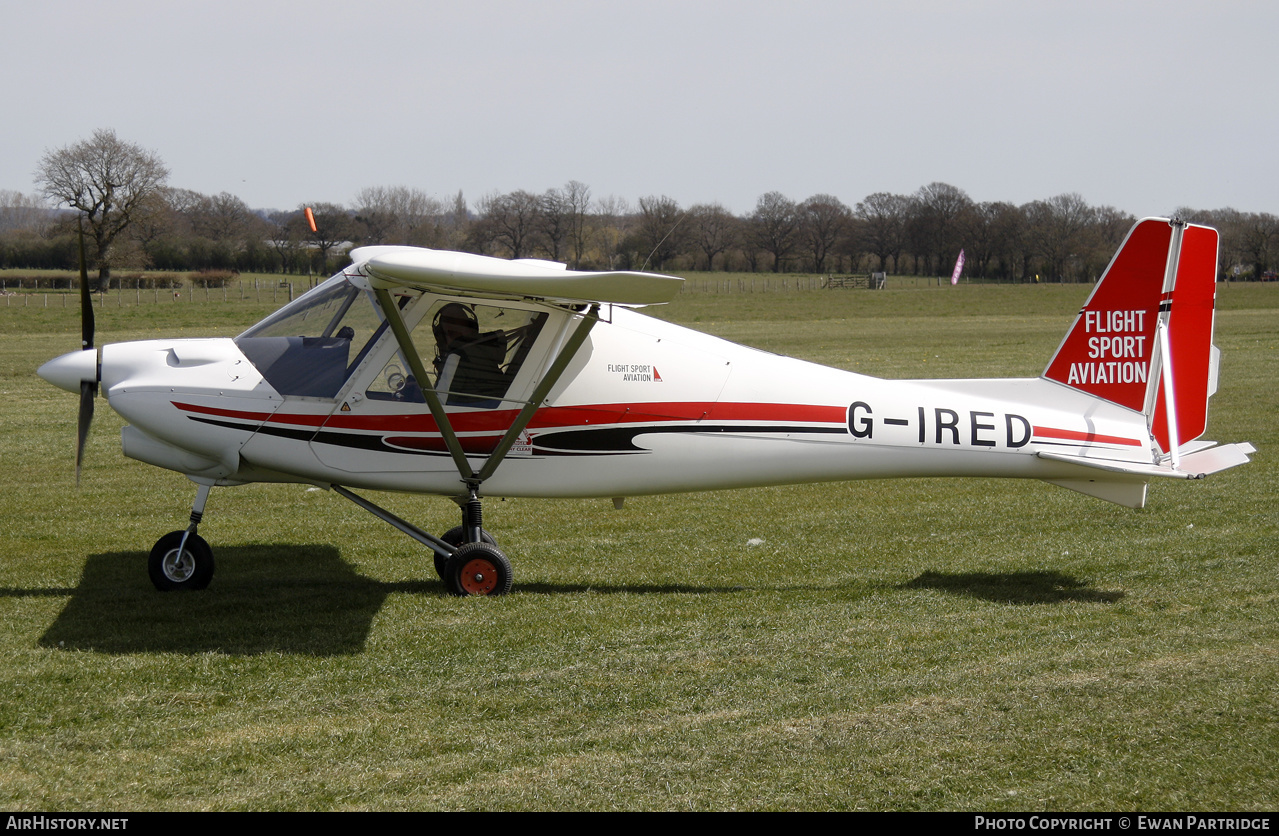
(191, 570)
(455, 537)
(478, 569)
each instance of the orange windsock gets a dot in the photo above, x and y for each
(310, 218)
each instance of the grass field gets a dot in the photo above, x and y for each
(906, 645)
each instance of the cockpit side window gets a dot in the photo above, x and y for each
(472, 354)
(310, 346)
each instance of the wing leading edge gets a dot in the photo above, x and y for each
(498, 278)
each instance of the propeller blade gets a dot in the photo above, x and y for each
(88, 389)
(88, 392)
(86, 298)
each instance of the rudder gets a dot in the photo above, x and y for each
(1189, 312)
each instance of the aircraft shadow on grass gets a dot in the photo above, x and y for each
(304, 599)
(301, 599)
(1014, 587)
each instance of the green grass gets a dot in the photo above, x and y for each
(914, 644)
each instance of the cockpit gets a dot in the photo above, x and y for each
(337, 334)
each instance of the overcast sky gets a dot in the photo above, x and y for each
(1144, 106)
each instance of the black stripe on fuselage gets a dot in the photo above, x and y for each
(605, 441)
(622, 439)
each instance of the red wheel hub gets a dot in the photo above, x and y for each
(478, 577)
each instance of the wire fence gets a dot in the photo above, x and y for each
(250, 290)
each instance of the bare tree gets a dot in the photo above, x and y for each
(455, 222)
(883, 222)
(507, 222)
(223, 217)
(105, 179)
(157, 221)
(823, 222)
(1256, 236)
(1061, 231)
(936, 229)
(334, 226)
(715, 230)
(774, 226)
(554, 222)
(23, 213)
(398, 215)
(578, 196)
(985, 237)
(286, 236)
(611, 223)
(183, 208)
(660, 230)
(1110, 227)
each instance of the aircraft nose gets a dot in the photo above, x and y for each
(70, 370)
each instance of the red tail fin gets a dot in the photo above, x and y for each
(1162, 280)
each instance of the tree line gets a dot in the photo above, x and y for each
(118, 194)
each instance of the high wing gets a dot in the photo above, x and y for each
(468, 274)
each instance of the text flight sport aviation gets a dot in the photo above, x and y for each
(468, 376)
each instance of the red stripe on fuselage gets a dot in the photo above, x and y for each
(224, 413)
(1076, 435)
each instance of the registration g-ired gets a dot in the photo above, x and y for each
(469, 377)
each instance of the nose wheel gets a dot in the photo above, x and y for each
(176, 565)
(183, 559)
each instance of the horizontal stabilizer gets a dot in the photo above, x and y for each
(1196, 465)
(1124, 483)
(1217, 458)
(499, 278)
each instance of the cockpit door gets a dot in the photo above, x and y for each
(482, 359)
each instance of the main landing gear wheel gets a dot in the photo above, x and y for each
(455, 537)
(478, 569)
(190, 568)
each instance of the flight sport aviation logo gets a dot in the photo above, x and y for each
(635, 372)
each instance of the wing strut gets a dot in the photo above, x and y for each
(472, 478)
(543, 389)
(419, 371)
(427, 539)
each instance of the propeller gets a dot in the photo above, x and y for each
(88, 388)
(79, 371)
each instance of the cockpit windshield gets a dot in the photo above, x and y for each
(308, 347)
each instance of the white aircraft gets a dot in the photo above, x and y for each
(467, 376)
